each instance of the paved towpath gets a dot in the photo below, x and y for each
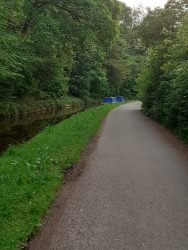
(131, 195)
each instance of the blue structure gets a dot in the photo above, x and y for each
(120, 99)
(113, 99)
(110, 100)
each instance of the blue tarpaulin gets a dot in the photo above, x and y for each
(113, 99)
(120, 99)
(109, 100)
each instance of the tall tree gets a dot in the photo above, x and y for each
(163, 79)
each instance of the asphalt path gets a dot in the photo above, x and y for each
(132, 192)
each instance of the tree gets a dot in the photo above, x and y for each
(161, 22)
(162, 82)
(59, 47)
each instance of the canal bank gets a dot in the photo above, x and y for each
(31, 173)
(20, 122)
(30, 107)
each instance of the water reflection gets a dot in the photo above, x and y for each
(19, 130)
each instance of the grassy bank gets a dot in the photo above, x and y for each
(31, 173)
(30, 106)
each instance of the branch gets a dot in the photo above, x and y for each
(38, 4)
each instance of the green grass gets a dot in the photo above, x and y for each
(31, 173)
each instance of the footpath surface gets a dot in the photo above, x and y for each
(131, 195)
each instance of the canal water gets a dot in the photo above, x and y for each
(18, 131)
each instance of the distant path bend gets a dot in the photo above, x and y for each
(132, 194)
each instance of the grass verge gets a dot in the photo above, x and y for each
(31, 173)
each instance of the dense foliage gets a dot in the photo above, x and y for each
(92, 48)
(64, 47)
(163, 79)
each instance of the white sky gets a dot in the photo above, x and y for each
(145, 3)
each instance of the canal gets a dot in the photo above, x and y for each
(17, 131)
